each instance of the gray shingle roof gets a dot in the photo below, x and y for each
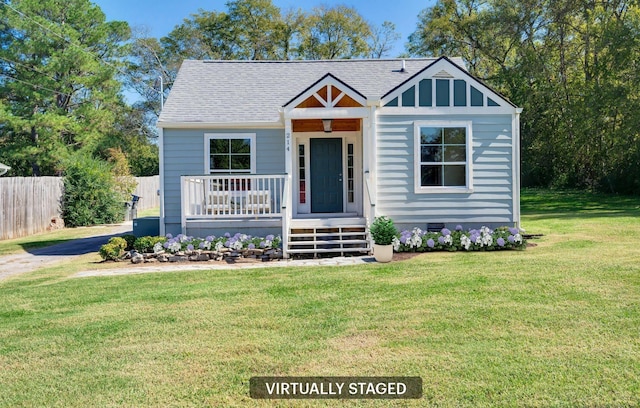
(253, 91)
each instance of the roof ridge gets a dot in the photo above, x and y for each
(208, 61)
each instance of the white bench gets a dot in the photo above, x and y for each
(259, 202)
(217, 202)
(238, 202)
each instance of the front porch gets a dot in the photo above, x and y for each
(262, 205)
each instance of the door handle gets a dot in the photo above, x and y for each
(340, 177)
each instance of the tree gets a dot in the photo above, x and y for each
(59, 62)
(147, 63)
(255, 26)
(288, 33)
(131, 135)
(334, 33)
(382, 39)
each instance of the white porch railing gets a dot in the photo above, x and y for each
(232, 196)
(369, 210)
(287, 203)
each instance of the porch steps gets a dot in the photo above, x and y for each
(337, 236)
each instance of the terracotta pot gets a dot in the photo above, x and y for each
(383, 253)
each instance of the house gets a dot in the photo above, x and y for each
(314, 150)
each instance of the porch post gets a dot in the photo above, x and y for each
(183, 204)
(372, 156)
(288, 194)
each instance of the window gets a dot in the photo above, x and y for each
(230, 153)
(302, 175)
(350, 174)
(442, 157)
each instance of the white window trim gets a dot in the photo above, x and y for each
(207, 150)
(418, 188)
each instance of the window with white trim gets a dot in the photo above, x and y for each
(442, 156)
(230, 153)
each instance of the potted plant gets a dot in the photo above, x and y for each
(383, 231)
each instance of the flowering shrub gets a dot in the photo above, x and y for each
(484, 239)
(183, 243)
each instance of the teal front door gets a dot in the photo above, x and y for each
(326, 175)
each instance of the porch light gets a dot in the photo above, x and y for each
(326, 124)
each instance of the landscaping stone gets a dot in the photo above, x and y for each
(199, 257)
(225, 254)
(137, 258)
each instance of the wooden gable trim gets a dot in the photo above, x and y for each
(315, 125)
(434, 71)
(324, 92)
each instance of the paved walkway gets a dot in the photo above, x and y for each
(208, 266)
(11, 265)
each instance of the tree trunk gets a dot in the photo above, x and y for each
(35, 168)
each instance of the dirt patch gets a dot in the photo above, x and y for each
(403, 256)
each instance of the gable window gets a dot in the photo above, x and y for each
(230, 153)
(442, 157)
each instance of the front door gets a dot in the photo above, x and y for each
(326, 175)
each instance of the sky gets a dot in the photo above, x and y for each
(161, 16)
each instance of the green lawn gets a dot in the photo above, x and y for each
(555, 325)
(149, 212)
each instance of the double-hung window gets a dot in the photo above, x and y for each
(230, 153)
(442, 157)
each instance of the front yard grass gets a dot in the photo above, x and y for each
(555, 325)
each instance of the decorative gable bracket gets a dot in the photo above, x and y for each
(328, 93)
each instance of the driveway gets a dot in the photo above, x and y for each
(11, 265)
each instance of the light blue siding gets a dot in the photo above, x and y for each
(491, 201)
(184, 155)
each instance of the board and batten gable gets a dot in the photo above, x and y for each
(444, 95)
(184, 154)
(490, 201)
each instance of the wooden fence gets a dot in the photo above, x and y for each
(147, 190)
(29, 204)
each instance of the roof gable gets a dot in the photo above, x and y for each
(444, 84)
(328, 92)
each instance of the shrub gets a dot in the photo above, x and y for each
(131, 239)
(484, 239)
(383, 231)
(89, 197)
(124, 183)
(114, 249)
(146, 244)
(236, 242)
